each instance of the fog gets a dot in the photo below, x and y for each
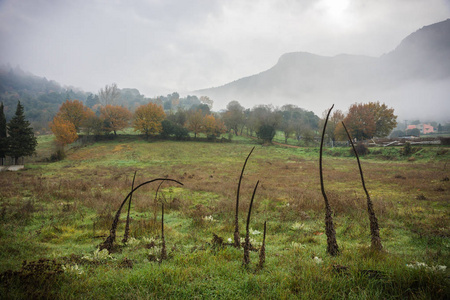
(160, 47)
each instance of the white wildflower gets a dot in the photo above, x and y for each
(229, 240)
(254, 232)
(318, 260)
(208, 218)
(421, 265)
(441, 268)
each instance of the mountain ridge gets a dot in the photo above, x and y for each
(421, 60)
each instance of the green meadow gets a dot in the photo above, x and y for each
(54, 216)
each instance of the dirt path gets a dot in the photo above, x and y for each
(285, 145)
(11, 168)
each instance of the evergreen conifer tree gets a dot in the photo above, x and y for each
(22, 141)
(3, 136)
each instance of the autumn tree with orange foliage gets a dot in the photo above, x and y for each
(74, 112)
(195, 122)
(92, 123)
(114, 117)
(147, 118)
(213, 127)
(365, 121)
(333, 125)
(64, 131)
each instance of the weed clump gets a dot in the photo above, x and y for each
(109, 242)
(421, 197)
(332, 246)
(236, 217)
(127, 225)
(217, 241)
(247, 234)
(360, 149)
(374, 229)
(262, 250)
(407, 149)
(57, 155)
(37, 279)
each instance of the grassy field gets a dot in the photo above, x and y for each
(55, 215)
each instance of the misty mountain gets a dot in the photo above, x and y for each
(40, 97)
(414, 78)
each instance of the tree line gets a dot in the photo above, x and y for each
(364, 121)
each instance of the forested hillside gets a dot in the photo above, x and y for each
(40, 97)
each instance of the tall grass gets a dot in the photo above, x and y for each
(63, 210)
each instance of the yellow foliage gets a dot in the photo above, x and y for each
(64, 131)
(115, 117)
(213, 126)
(74, 112)
(147, 118)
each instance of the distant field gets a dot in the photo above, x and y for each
(63, 210)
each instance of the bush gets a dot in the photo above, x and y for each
(397, 133)
(170, 128)
(58, 155)
(445, 140)
(266, 133)
(407, 149)
(361, 149)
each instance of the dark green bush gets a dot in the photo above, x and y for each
(407, 149)
(58, 155)
(361, 149)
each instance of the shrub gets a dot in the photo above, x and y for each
(58, 155)
(266, 133)
(361, 149)
(445, 140)
(407, 149)
(170, 128)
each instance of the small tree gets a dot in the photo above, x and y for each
(75, 112)
(22, 141)
(233, 117)
(92, 124)
(148, 118)
(115, 117)
(367, 120)
(64, 131)
(266, 132)
(109, 95)
(195, 122)
(213, 127)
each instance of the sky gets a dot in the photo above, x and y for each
(163, 46)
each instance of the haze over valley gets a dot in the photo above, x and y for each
(414, 78)
(309, 53)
